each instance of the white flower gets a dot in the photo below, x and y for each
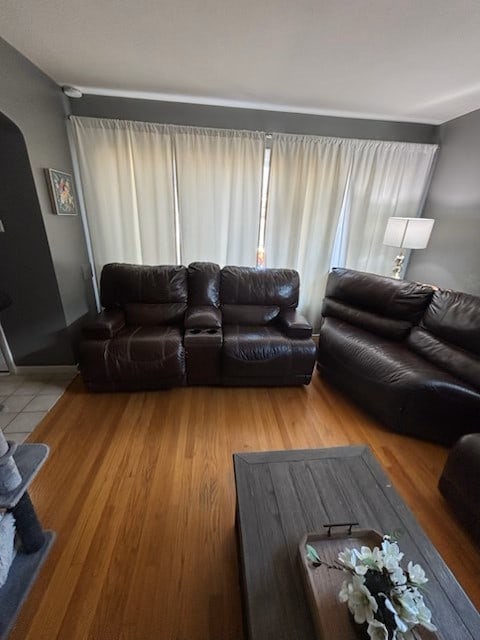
(361, 569)
(361, 603)
(398, 577)
(372, 558)
(348, 557)
(377, 630)
(402, 598)
(424, 616)
(407, 603)
(391, 555)
(416, 573)
(401, 626)
(345, 590)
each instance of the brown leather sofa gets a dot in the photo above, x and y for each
(168, 325)
(406, 352)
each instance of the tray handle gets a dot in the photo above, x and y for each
(332, 525)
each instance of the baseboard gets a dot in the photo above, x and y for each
(53, 369)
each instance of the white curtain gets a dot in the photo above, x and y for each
(219, 176)
(387, 179)
(329, 201)
(308, 178)
(127, 180)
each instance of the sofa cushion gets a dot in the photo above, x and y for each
(249, 314)
(245, 285)
(448, 357)
(398, 299)
(455, 318)
(402, 389)
(146, 351)
(127, 283)
(151, 315)
(264, 351)
(378, 358)
(137, 358)
(380, 325)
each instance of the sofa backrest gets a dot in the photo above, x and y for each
(149, 295)
(381, 305)
(203, 284)
(251, 296)
(449, 334)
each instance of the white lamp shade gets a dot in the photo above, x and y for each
(408, 233)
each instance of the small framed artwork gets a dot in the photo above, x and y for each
(62, 192)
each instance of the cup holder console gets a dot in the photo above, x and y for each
(202, 332)
(203, 348)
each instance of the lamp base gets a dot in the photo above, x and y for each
(398, 266)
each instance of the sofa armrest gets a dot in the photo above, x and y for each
(105, 325)
(294, 324)
(203, 317)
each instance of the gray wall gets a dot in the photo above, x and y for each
(452, 259)
(37, 106)
(269, 121)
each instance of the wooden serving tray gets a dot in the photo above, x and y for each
(332, 618)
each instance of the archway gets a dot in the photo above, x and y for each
(34, 321)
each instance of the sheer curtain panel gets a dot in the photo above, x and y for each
(387, 179)
(127, 180)
(219, 177)
(308, 178)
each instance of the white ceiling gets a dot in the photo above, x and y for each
(413, 60)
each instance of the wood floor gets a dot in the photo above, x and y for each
(140, 490)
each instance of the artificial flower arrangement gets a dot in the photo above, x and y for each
(379, 593)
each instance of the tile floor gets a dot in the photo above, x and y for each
(26, 400)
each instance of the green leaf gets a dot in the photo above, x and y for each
(396, 534)
(312, 555)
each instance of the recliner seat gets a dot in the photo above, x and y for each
(137, 341)
(260, 345)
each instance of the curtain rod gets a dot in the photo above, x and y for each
(72, 115)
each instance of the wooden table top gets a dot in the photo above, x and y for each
(282, 495)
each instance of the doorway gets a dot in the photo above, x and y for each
(33, 323)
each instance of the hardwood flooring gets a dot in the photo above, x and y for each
(140, 490)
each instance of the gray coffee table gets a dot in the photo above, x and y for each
(281, 495)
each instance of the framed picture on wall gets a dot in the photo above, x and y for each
(62, 192)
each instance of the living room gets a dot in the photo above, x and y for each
(139, 484)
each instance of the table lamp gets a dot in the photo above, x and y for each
(407, 233)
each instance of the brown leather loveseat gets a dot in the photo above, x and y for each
(406, 352)
(165, 326)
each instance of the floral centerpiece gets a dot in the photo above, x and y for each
(380, 594)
